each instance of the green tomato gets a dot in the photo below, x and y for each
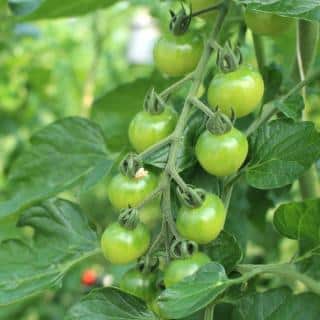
(121, 245)
(267, 24)
(222, 155)
(141, 285)
(147, 129)
(179, 269)
(177, 56)
(202, 224)
(125, 192)
(241, 90)
(150, 214)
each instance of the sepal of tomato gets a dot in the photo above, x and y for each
(202, 224)
(121, 245)
(222, 155)
(240, 90)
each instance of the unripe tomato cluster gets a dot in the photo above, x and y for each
(220, 153)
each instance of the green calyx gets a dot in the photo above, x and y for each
(153, 103)
(180, 21)
(181, 249)
(130, 165)
(191, 197)
(148, 264)
(129, 218)
(229, 59)
(219, 123)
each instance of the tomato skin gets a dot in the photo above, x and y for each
(202, 224)
(177, 56)
(89, 277)
(150, 214)
(121, 245)
(241, 90)
(124, 192)
(139, 284)
(147, 129)
(179, 269)
(222, 155)
(267, 24)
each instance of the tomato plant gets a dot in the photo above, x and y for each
(173, 172)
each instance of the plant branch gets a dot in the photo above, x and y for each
(201, 106)
(259, 50)
(209, 312)
(176, 86)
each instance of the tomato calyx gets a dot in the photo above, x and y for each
(148, 264)
(190, 196)
(219, 123)
(180, 21)
(181, 248)
(130, 165)
(129, 218)
(153, 103)
(228, 58)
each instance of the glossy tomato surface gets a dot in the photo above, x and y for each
(141, 285)
(121, 245)
(147, 129)
(178, 56)
(241, 90)
(267, 24)
(179, 269)
(202, 224)
(222, 155)
(124, 192)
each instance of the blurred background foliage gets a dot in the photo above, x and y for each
(50, 69)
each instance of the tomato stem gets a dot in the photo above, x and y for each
(260, 51)
(209, 312)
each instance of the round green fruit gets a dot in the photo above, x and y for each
(147, 129)
(222, 155)
(121, 245)
(202, 224)
(240, 90)
(178, 56)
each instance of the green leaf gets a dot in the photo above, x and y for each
(61, 155)
(114, 110)
(278, 304)
(272, 77)
(194, 292)
(110, 304)
(292, 108)
(299, 221)
(54, 9)
(225, 250)
(304, 9)
(62, 238)
(280, 152)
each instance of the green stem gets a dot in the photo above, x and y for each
(209, 312)
(202, 107)
(260, 51)
(206, 10)
(151, 150)
(270, 110)
(284, 270)
(176, 86)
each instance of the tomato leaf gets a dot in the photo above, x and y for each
(299, 221)
(306, 9)
(62, 238)
(292, 107)
(61, 155)
(225, 250)
(194, 292)
(280, 152)
(278, 304)
(54, 9)
(110, 304)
